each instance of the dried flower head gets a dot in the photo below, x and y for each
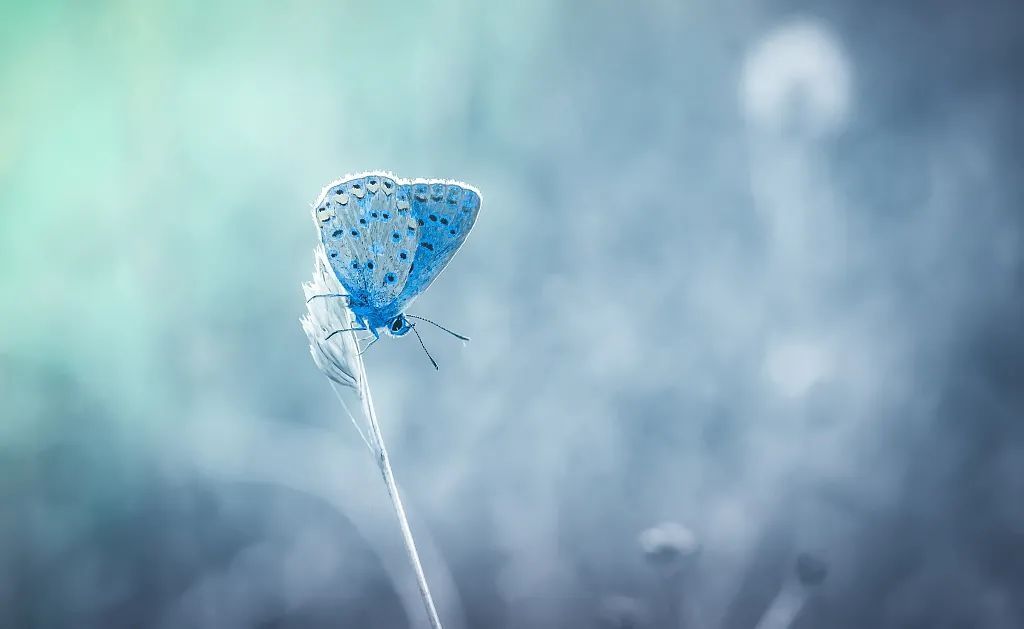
(335, 355)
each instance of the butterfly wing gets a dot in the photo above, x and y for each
(370, 237)
(444, 214)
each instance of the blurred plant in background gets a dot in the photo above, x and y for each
(672, 549)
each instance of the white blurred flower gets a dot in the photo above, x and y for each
(799, 73)
(668, 542)
(335, 356)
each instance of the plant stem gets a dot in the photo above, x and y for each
(389, 480)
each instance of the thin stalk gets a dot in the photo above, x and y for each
(384, 463)
(351, 417)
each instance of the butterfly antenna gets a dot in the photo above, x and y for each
(456, 335)
(434, 362)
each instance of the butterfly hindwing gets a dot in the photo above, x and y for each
(444, 214)
(369, 236)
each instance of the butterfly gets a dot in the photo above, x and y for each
(387, 239)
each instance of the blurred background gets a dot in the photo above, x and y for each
(746, 297)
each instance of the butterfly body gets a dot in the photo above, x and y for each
(387, 239)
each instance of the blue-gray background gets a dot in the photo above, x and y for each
(751, 267)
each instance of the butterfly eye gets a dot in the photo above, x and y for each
(396, 325)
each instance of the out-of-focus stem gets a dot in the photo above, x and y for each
(786, 606)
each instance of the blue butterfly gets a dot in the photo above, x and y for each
(387, 239)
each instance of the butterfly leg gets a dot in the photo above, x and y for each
(363, 351)
(330, 295)
(345, 330)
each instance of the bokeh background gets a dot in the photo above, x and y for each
(753, 268)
